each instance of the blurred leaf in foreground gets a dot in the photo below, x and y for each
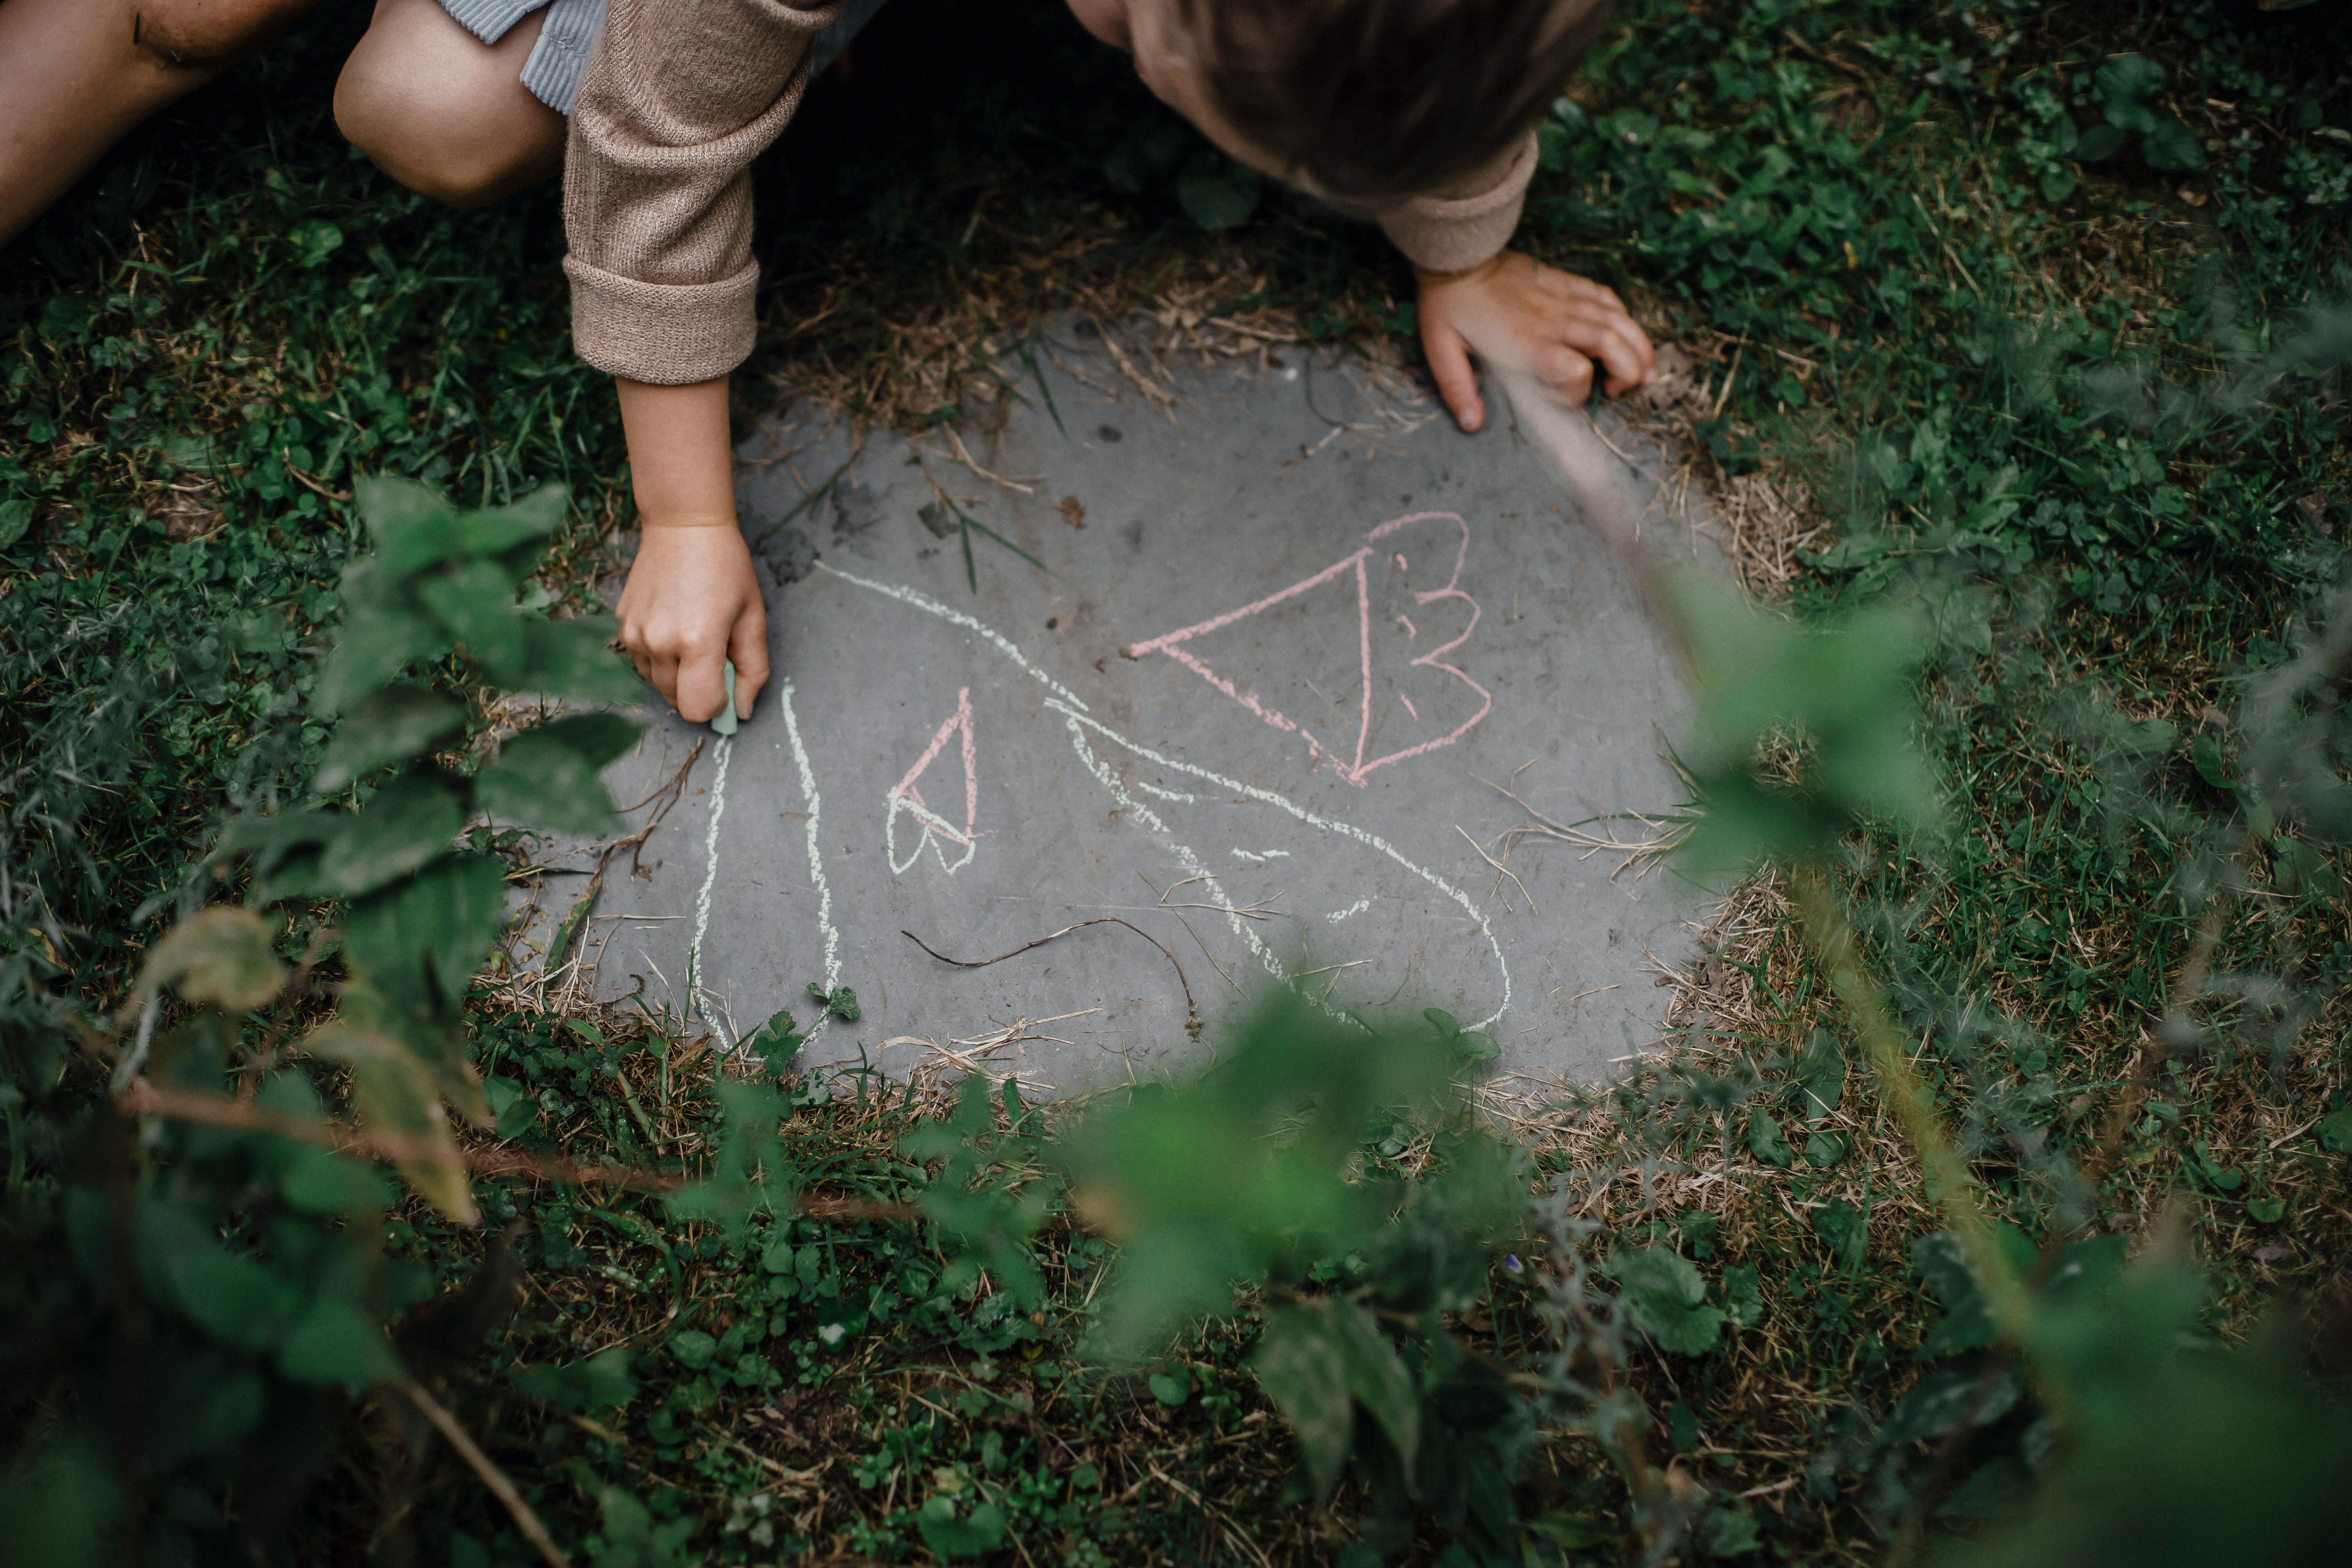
(1837, 696)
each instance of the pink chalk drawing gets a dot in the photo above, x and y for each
(1353, 766)
(904, 799)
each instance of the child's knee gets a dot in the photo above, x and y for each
(441, 141)
(201, 34)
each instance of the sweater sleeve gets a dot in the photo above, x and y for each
(678, 97)
(1449, 232)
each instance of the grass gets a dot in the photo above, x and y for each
(1915, 369)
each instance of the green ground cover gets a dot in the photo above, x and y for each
(2020, 313)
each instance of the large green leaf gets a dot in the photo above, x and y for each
(428, 936)
(221, 956)
(571, 658)
(1378, 1379)
(601, 738)
(1209, 1183)
(286, 842)
(409, 822)
(977, 1534)
(477, 603)
(2124, 85)
(2173, 146)
(1668, 1300)
(236, 1301)
(57, 1507)
(335, 1343)
(543, 779)
(398, 1092)
(411, 527)
(599, 1383)
(631, 1539)
(496, 530)
(1843, 686)
(752, 1173)
(392, 724)
(1303, 1368)
(319, 1181)
(379, 641)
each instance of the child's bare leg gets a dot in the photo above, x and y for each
(75, 75)
(443, 112)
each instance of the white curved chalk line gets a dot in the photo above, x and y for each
(816, 858)
(922, 600)
(725, 749)
(1358, 907)
(1328, 825)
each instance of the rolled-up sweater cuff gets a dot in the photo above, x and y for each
(666, 335)
(1454, 234)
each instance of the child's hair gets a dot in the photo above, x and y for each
(1378, 98)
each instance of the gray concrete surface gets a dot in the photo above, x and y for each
(1259, 705)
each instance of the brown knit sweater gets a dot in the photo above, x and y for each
(679, 96)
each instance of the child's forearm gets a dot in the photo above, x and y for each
(692, 603)
(680, 462)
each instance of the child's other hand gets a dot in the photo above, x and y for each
(1515, 313)
(690, 605)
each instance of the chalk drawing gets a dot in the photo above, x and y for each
(1328, 825)
(725, 750)
(1081, 720)
(1259, 858)
(1080, 723)
(1358, 907)
(904, 798)
(1351, 766)
(815, 858)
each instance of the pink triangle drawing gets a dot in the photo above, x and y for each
(1347, 757)
(904, 800)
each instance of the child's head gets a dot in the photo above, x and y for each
(1369, 100)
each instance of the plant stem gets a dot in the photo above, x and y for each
(491, 1476)
(1950, 1185)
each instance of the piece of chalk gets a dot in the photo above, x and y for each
(725, 722)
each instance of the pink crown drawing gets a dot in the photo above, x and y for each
(1377, 678)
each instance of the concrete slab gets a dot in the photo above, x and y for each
(1293, 639)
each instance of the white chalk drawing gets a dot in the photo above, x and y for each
(1242, 929)
(694, 990)
(816, 857)
(1350, 760)
(956, 617)
(1358, 907)
(1082, 725)
(903, 799)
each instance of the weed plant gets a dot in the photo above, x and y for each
(2017, 316)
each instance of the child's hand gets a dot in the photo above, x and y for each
(1515, 313)
(690, 605)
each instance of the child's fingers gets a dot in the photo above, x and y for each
(1619, 346)
(749, 648)
(661, 674)
(1587, 290)
(701, 685)
(1449, 361)
(1568, 374)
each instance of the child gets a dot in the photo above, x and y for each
(1416, 113)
